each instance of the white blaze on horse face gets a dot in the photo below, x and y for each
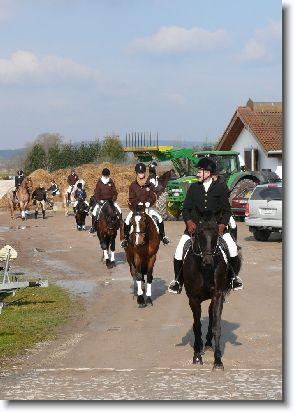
(137, 220)
(105, 254)
(139, 286)
(111, 256)
(148, 291)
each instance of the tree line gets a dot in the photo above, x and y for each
(49, 152)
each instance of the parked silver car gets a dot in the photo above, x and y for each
(264, 210)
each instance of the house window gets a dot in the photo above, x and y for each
(247, 158)
(251, 159)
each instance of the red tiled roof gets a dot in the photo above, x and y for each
(267, 127)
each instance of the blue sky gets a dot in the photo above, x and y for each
(84, 68)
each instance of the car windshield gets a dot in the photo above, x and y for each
(267, 193)
(227, 164)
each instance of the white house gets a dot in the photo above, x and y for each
(256, 131)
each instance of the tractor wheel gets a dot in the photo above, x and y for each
(244, 184)
(166, 210)
(261, 235)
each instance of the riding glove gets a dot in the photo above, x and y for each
(191, 226)
(221, 229)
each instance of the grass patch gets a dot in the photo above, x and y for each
(32, 316)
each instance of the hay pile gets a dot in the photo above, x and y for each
(121, 174)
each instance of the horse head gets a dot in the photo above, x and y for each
(27, 184)
(110, 215)
(140, 223)
(81, 206)
(207, 238)
(163, 180)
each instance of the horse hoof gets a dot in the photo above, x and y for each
(197, 360)
(108, 264)
(149, 301)
(141, 301)
(208, 348)
(218, 367)
(113, 264)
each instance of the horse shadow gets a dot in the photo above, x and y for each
(120, 258)
(274, 238)
(227, 334)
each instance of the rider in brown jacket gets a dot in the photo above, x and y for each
(142, 192)
(105, 190)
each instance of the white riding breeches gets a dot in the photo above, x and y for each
(149, 212)
(98, 207)
(232, 247)
(69, 189)
(232, 223)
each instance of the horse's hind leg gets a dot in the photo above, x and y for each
(149, 279)
(195, 306)
(209, 335)
(217, 311)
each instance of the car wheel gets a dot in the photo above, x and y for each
(261, 234)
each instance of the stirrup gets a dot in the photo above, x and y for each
(239, 285)
(175, 287)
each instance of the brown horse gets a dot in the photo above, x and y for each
(68, 200)
(141, 252)
(163, 180)
(107, 225)
(22, 197)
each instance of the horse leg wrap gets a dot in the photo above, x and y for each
(148, 291)
(112, 256)
(139, 287)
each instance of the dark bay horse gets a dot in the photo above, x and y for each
(80, 214)
(107, 225)
(22, 197)
(141, 252)
(163, 180)
(205, 273)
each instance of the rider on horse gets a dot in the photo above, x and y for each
(206, 195)
(105, 190)
(142, 192)
(54, 189)
(39, 197)
(153, 178)
(71, 180)
(18, 181)
(80, 194)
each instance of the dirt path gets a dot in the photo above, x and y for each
(118, 351)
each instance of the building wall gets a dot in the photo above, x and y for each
(247, 141)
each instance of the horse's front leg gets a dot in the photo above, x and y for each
(195, 306)
(22, 211)
(112, 250)
(218, 301)
(209, 335)
(150, 267)
(139, 279)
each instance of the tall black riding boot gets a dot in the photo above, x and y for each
(234, 233)
(176, 285)
(235, 263)
(93, 227)
(43, 213)
(165, 239)
(125, 241)
(36, 214)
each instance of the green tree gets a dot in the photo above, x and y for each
(35, 159)
(111, 150)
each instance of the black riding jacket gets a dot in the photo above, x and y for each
(18, 180)
(214, 200)
(39, 194)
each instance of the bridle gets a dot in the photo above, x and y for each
(140, 232)
(199, 252)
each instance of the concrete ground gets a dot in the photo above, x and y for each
(118, 351)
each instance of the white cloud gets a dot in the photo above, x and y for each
(265, 44)
(176, 40)
(26, 66)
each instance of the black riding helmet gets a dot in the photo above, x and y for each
(140, 168)
(20, 172)
(80, 185)
(207, 164)
(105, 172)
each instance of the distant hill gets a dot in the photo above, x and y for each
(10, 153)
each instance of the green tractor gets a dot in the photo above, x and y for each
(170, 202)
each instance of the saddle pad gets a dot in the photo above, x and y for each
(222, 246)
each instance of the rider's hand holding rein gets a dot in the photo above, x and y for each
(221, 229)
(191, 227)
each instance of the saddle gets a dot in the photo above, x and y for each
(222, 246)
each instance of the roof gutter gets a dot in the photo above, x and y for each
(275, 152)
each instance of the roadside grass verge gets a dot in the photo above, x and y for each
(32, 316)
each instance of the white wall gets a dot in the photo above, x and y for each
(247, 141)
